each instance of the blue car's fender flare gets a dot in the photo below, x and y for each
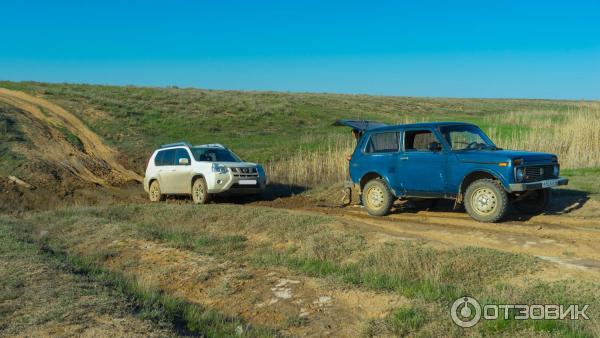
(493, 173)
(384, 177)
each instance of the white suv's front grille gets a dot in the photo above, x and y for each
(244, 172)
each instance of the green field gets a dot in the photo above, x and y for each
(101, 260)
(260, 126)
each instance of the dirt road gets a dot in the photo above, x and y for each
(570, 241)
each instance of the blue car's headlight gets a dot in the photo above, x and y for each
(556, 170)
(519, 174)
(219, 168)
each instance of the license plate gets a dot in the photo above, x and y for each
(549, 183)
(247, 182)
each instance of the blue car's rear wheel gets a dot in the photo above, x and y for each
(377, 197)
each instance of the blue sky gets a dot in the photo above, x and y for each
(530, 49)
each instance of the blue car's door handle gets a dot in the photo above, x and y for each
(403, 158)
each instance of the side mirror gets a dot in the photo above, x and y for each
(183, 161)
(434, 146)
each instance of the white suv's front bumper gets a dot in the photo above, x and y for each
(236, 183)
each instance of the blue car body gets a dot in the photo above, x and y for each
(443, 172)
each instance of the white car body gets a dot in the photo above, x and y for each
(177, 177)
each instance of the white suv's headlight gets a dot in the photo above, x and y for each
(260, 170)
(519, 174)
(219, 168)
(556, 170)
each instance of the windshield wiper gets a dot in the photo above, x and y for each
(492, 147)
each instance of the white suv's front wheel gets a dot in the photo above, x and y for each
(154, 193)
(200, 192)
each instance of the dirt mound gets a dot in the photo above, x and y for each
(59, 155)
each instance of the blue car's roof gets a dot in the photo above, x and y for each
(420, 125)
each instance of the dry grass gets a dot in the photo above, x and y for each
(326, 165)
(573, 135)
(313, 246)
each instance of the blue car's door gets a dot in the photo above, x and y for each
(379, 154)
(422, 163)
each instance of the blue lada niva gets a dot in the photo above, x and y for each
(450, 160)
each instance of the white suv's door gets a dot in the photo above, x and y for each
(175, 173)
(182, 176)
(166, 171)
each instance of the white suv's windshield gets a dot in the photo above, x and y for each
(466, 137)
(214, 155)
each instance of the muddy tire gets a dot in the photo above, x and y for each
(200, 193)
(486, 201)
(154, 192)
(377, 198)
(534, 203)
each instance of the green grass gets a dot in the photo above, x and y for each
(72, 138)
(296, 321)
(400, 322)
(149, 302)
(258, 125)
(430, 278)
(411, 270)
(70, 297)
(10, 134)
(586, 180)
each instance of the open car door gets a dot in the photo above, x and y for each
(359, 125)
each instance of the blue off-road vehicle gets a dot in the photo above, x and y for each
(448, 160)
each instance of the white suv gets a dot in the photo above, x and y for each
(200, 171)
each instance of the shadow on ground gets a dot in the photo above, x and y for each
(563, 201)
(273, 192)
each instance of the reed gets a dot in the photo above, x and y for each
(573, 135)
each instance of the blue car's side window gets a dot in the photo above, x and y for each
(384, 142)
(418, 140)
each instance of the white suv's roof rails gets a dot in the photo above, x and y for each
(211, 145)
(176, 144)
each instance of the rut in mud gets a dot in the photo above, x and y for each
(568, 239)
(45, 126)
(61, 160)
(271, 297)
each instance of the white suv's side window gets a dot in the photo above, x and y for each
(165, 157)
(158, 159)
(182, 154)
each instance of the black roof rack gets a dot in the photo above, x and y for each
(176, 144)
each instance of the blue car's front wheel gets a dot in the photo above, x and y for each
(377, 197)
(486, 200)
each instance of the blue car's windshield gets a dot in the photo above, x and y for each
(466, 137)
(214, 155)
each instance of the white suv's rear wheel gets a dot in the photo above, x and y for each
(154, 194)
(200, 192)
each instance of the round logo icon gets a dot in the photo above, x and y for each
(465, 312)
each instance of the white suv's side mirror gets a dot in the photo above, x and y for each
(183, 161)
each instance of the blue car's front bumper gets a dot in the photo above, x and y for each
(516, 187)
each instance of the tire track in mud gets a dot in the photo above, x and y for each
(265, 296)
(566, 241)
(96, 162)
